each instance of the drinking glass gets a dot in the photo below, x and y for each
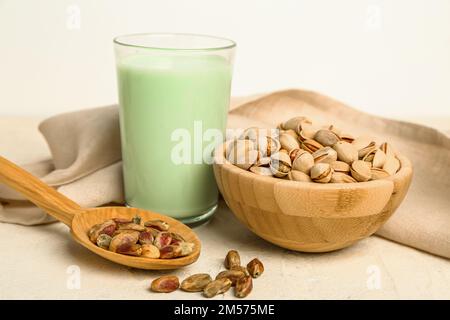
(174, 92)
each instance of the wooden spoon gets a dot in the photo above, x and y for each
(80, 220)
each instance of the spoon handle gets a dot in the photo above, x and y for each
(42, 195)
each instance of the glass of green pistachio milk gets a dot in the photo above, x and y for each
(174, 92)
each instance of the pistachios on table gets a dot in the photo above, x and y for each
(151, 239)
(237, 276)
(302, 151)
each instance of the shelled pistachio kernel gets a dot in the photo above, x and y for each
(255, 268)
(216, 287)
(162, 239)
(233, 275)
(196, 282)
(170, 251)
(157, 224)
(240, 268)
(104, 240)
(243, 287)
(232, 259)
(165, 284)
(150, 251)
(136, 219)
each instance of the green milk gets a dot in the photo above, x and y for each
(159, 95)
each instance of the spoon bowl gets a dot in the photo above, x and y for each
(80, 220)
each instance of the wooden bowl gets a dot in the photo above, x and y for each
(310, 217)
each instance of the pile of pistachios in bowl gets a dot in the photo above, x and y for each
(151, 239)
(302, 151)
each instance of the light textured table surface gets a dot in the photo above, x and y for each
(43, 262)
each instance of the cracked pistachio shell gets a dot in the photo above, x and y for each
(311, 145)
(294, 123)
(325, 155)
(360, 171)
(243, 154)
(346, 152)
(288, 142)
(391, 165)
(267, 146)
(296, 175)
(371, 148)
(308, 131)
(294, 153)
(362, 142)
(387, 149)
(321, 172)
(379, 159)
(378, 173)
(252, 133)
(340, 177)
(262, 161)
(262, 171)
(326, 137)
(340, 166)
(291, 133)
(280, 164)
(238, 145)
(334, 129)
(303, 162)
(347, 137)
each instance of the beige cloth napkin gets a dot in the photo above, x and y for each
(86, 167)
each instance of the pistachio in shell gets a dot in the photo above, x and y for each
(340, 177)
(391, 165)
(280, 164)
(296, 175)
(294, 123)
(294, 153)
(326, 137)
(243, 154)
(340, 166)
(303, 162)
(325, 155)
(378, 174)
(321, 172)
(360, 171)
(267, 146)
(379, 159)
(311, 145)
(371, 148)
(307, 131)
(387, 149)
(346, 137)
(288, 142)
(262, 171)
(362, 142)
(346, 152)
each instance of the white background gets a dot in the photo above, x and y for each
(386, 57)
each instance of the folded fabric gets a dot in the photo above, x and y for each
(86, 167)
